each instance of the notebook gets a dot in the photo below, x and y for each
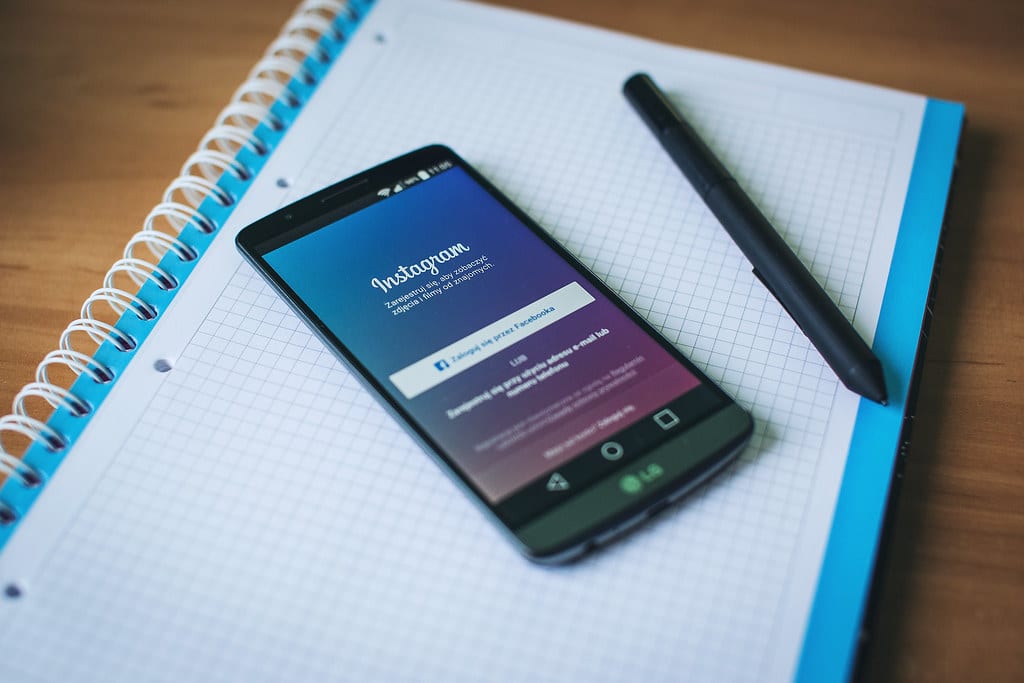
(215, 498)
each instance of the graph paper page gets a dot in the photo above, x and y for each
(254, 515)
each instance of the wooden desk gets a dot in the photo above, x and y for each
(105, 99)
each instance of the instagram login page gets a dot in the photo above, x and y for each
(501, 351)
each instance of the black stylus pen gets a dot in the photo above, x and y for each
(774, 262)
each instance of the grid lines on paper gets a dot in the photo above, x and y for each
(632, 220)
(266, 520)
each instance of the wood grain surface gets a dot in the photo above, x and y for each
(104, 100)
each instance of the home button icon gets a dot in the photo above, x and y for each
(612, 450)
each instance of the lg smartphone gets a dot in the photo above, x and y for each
(559, 410)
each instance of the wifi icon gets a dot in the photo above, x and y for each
(384, 192)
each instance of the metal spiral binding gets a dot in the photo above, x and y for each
(78, 362)
(56, 396)
(161, 233)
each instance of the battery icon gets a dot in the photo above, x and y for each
(423, 175)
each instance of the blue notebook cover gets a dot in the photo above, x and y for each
(831, 639)
(833, 630)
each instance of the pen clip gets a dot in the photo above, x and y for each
(769, 288)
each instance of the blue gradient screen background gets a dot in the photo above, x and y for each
(331, 270)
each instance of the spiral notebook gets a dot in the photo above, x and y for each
(215, 498)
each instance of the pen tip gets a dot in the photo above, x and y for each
(868, 380)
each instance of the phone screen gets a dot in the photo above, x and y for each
(507, 357)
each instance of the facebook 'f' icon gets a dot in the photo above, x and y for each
(441, 365)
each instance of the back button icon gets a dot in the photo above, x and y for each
(558, 483)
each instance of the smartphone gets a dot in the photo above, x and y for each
(557, 408)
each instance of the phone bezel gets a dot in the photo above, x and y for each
(358, 192)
